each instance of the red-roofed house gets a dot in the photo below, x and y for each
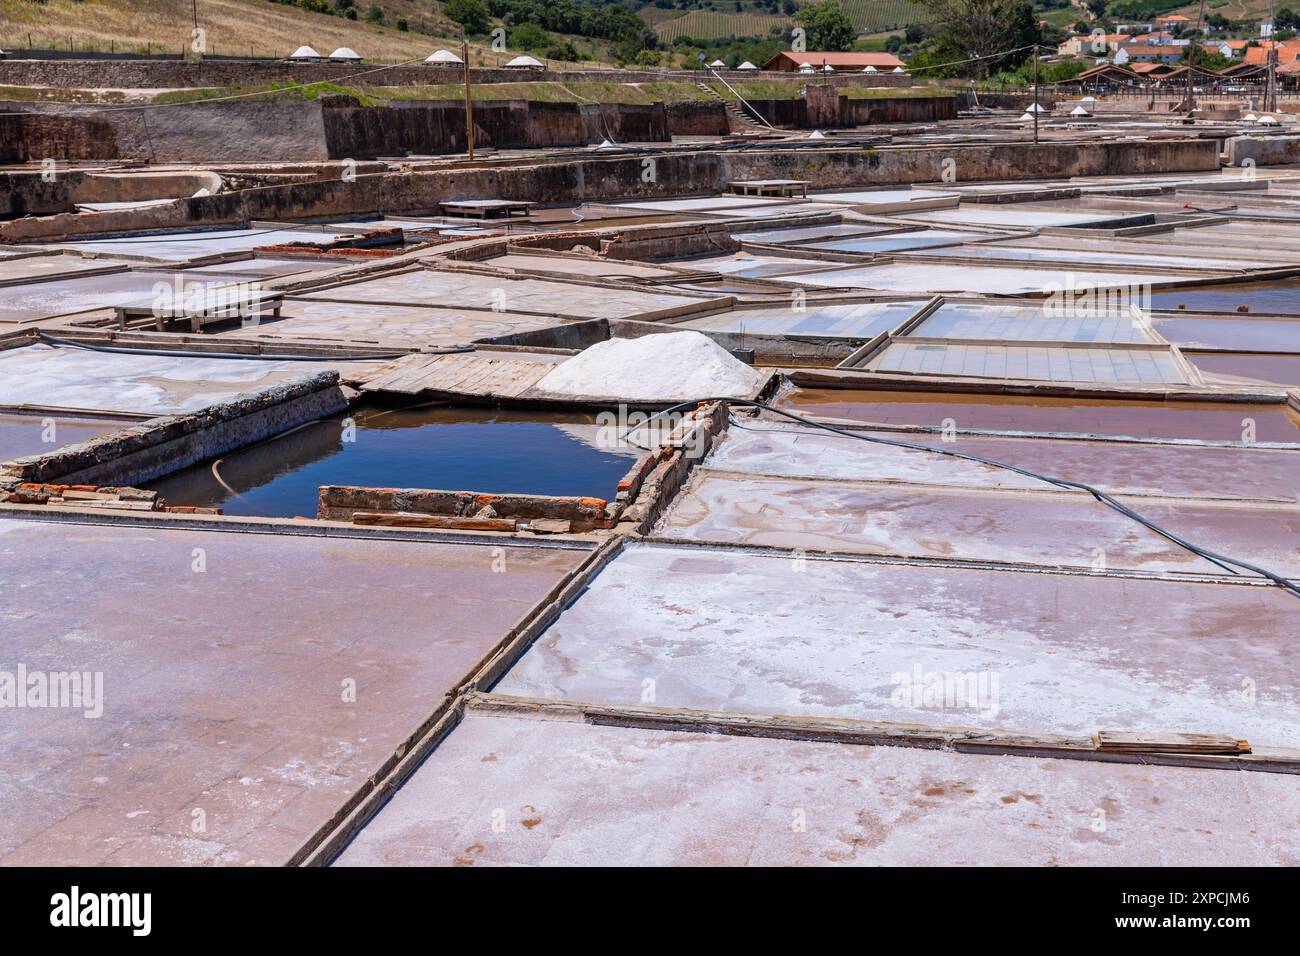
(1160, 38)
(1258, 55)
(788, 62)
(1088, 44)
(1101, 79)
(1155, 70)
(1145, 53)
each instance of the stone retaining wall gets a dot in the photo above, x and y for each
(595, 178)
(162, 446)
(178, 74)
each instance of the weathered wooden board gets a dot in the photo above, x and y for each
(472, 374)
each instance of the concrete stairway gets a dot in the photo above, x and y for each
(738, 119)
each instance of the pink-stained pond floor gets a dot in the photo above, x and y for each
(519, 791)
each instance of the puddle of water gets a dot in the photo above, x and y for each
(1269, 298)
(25, 434)
(487, 450)
(1267, 369)
(1233, 334)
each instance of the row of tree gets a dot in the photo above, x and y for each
(979, 38)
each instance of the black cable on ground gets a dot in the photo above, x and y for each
(1225, 562)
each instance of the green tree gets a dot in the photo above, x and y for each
(471, 14)
(828, 28)
(993, 35)
(528, 36)
(1204, 59)
(564, 50)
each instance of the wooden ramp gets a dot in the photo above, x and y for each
(476, 374)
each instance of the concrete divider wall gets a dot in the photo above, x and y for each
(625, 122)
(903, 109)
(969, 100)
(357, 132)
(342, 502)
(162, 446)
(439, 126)
(192, 132)
(1263, 150)
(823, 108)
(140, 185)
(675, 174)
(30, 137)
(697, 118)
(31, 194)
(326, 128)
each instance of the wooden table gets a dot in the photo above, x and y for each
(214, 304)
(485, 208)
(769, 187)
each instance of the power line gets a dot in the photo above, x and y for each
(973, 59)
(1222, 561)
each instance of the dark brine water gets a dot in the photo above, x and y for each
(460, 449)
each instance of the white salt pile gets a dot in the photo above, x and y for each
(669, 366)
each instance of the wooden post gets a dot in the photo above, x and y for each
(469, 102)
(1035, 93)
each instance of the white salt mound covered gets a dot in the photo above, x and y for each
(669, 366)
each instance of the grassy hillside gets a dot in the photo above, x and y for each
(1234, 9)
(868, 16)
(871, 16)
(233, 27)
(712, 25)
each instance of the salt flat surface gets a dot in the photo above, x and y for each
(503, 791)
(727, 630)
(180, 246)
(426, 287)
(911, 277)
(226, 659)
(352, 322)
(791, 450)
(114, 381)
(1049, 528)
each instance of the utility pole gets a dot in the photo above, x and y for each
(469, 102)
(1035, 93)
(1270, 96)
(1191, 60)
(1270, 88)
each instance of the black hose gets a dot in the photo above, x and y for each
(1223, 561)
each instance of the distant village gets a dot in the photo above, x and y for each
(1173, 50)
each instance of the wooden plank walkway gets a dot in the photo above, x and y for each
(468, 373)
